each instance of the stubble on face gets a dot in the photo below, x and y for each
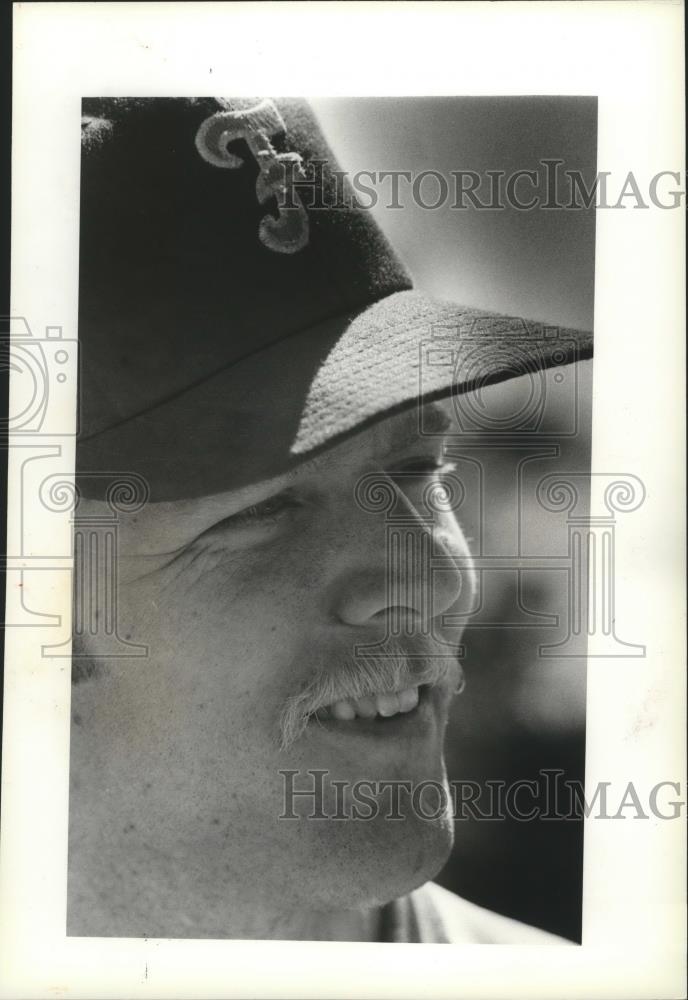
(243, 652)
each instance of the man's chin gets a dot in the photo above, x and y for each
(404, 866)
(364, 841)
(365, 864)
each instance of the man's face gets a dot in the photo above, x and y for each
(254, 607)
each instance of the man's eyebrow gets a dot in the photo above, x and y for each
(436, 420)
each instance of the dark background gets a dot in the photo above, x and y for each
(520, 712)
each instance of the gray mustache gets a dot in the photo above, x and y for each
(393, 668)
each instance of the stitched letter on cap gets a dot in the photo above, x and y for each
(288, 233)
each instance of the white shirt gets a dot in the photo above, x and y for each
(432, 914)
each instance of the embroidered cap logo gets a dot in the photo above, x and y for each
(287, 233)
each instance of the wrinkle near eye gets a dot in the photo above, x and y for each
(186, 568)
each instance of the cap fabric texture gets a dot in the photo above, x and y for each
(235, 316)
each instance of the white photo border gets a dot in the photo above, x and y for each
(629, 55)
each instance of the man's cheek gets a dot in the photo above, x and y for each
(160, 614)
(222, 654)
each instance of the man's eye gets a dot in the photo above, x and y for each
(427, 467)
(265, 512)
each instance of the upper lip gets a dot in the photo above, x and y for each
(373, 692)
(414, 650)
(422, 688)
(427, 694)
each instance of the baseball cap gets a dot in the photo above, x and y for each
(237, 314)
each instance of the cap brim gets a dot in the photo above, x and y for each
(264, 414)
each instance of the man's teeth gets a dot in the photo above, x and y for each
(386, 704)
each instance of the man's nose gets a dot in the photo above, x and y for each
(399, 565)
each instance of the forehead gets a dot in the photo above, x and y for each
(382, 439)
(151, 528)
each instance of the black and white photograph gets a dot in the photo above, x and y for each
(314, 500)
(325, 532)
